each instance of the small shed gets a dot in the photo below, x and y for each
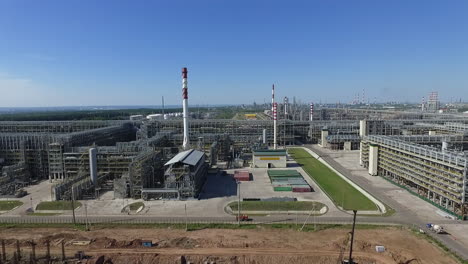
(269, 158)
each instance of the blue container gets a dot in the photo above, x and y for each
(147, 243)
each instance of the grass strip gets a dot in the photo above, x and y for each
(340, 191)
(57, 205)
(9, 205)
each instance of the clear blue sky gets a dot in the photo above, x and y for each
(110, 52)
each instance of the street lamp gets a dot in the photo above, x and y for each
(238, 202)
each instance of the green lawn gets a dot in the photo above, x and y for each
(340, 191)
(8, 205)
(276, 206)
(57, 205)
(136, 206)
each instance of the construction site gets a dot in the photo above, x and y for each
(263, 246)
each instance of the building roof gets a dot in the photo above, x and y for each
(268, 152)
(190, 157)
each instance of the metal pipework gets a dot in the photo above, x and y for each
(186, 142)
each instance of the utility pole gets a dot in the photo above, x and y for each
(86, 216)
(238, 202)
(33, 251)
(73, 204)
(315, 224)
(63, 250)
(350, 259)
(3, 251)
(186, 218)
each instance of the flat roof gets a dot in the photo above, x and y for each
(270, 152)
(190, 157)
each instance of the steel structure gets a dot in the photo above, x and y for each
(130, 154)
(439, 176)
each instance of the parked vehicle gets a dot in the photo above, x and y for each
(438, 229)
(243, 218)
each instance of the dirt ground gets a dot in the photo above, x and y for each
(262, 245)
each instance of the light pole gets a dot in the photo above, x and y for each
(238, 202)
(186, 218)
(73, 204)
(86, 215)
(350, 259)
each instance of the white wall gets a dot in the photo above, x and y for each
(258, 163)
(373, 159)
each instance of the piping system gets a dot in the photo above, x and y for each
(311, 115)
(186, 142)
(275, 117)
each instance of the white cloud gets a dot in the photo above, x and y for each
(18, 91)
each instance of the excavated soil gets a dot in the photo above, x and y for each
(259, 246)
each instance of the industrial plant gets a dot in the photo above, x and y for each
(168, 156)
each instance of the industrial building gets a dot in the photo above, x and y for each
(185, 174)
(429, 160)
(154, 158)
(269, 159)
(131, 154)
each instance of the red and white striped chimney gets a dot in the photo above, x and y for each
(186, 142)
(286, 106)
(275, 117)
(311, 116)
(272, 97)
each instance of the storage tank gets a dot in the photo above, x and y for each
(154, 116)
(93, 165)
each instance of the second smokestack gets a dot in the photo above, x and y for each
(186, 142)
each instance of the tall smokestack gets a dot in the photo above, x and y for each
(272, 97)
(274, 124)
(286, 105)
(423, 104)
(186, 142)
(311, 117)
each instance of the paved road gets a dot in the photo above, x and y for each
(403, 215)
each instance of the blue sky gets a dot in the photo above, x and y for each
(59, 53)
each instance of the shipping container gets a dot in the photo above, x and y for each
(282, 189)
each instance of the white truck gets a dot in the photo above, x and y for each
(438, 229)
